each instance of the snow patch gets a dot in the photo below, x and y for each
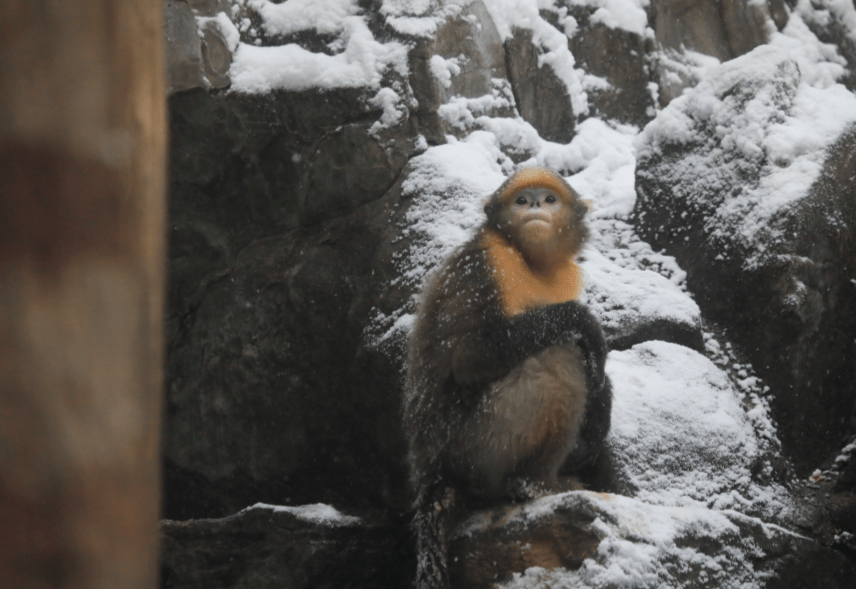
(257, 70)
(444, 69)
(293, 16)
(680, 435)
(317, 513)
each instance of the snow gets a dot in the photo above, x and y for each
(390, 102)
(317, 513)
(680, 434)
(823, 11)
(323, 16)
(819, 63)
(444, 69)
(420, 18)
(257, 70)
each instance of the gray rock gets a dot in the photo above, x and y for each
(277, 207)
(788, 300)
(265, 547)
(619, 56)
(541, 96)
(691, 24)
(216, 55)
(723, 30)
(745, 24)
(471, 35)
(183, 48)
(194, 62)
(525, 545)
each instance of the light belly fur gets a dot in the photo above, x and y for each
(532, 415)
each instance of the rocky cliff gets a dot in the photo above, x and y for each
(326, 155)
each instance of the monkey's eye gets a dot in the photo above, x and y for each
(550, 199)
(521, 200)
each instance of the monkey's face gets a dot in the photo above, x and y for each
(540, 223)
(535, 211)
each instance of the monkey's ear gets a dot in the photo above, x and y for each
(581, 208)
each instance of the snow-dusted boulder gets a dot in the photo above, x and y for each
(681, 434)
(748, 181)
(584, 540)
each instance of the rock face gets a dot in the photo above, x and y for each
(532, 92)
(268, 547)
(773, 266)
(307, 205)
(578, 539)
(722, 30)
(618, 56)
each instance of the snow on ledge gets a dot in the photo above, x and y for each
(317, 513)
(257, 70)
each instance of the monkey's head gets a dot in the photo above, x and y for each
(542, 216)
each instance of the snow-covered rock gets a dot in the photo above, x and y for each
(747, 181)
(681, 434)
(584, 540)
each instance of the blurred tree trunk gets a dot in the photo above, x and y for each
(82, 226)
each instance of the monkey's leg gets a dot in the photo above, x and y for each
(537, 474)
(525, 425)
(594, 430)
(432, 525)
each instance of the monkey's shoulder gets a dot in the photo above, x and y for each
(462, 284)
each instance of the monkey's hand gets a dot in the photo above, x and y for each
(563, 323)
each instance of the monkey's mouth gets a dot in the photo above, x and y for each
(537, 217)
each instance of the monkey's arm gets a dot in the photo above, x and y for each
(480, 358)
(490, 353)
(594, 429)
(569, 322)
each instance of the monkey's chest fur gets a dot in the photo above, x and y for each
(518, 287)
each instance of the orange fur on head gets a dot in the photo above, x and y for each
(537, 178)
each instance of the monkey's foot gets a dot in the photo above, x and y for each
(523, 489)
